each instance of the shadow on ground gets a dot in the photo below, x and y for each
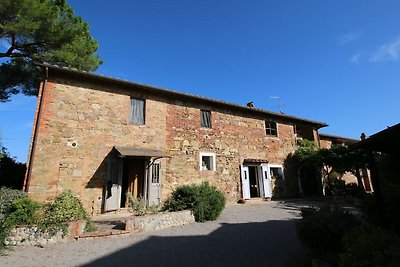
(271, 243)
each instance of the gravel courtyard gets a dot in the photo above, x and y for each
(244, 235)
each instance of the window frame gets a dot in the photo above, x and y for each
(132, 110)
(201, 119)
(269, 129)
(158, 177)
(276, 166)
(213, 163)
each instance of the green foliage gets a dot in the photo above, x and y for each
(354, 190)
(7, 196)
(306, 149)
(336, 185)
(51, 217)
(204, 200)
(153, 209)
(66, 207)
(137, 205)
(337, 159)
(323, 230)
(41, 31)
(371, 247)
(12, 173)
(23, 211)
(183, 198)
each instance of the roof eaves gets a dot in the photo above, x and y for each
(330, 136)
(181, 94)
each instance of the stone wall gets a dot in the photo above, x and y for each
(159, 221)
(96, 118)
(34, 236)
(31, 236)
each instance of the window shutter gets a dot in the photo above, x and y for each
(137, 111)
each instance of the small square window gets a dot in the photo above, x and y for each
(207, 161)
(137, 111)
(270, 128)
(205, 118)
(276, 173)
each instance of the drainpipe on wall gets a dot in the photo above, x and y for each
(35, 132)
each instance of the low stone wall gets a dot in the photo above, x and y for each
(31, 236)
(34, 236)
(159, 221)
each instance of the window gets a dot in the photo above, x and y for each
(137, 111)
(155, 178)
(207, 161)
(276, 173)
(205, 118)
(270, 128)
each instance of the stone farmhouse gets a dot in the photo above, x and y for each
(102, 137)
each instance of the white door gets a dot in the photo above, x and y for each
(244, 171)
(113, 184)
(154, 183)
(266, 181)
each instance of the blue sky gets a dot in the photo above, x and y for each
(331, 61)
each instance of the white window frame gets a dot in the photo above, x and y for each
(207, 154)
(276, 166)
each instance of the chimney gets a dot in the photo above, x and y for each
(363, 136)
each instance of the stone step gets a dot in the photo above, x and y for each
(104, 234)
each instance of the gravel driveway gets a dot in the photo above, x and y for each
(244, 235)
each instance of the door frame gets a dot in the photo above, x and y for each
(113, 184)
(149, 183)
(246, 194)
(265, 182)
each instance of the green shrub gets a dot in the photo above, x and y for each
(66, 207)
(336, 185)
(7, 196)
(371, 247)
(183, 198)
(23, 211)
(204, 200)
(323, 230)
(137, 205)
(354, 190)
(153, 209)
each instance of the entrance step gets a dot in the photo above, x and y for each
(107, 225)
(255, 201)
(102, 234)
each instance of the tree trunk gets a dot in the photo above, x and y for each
(359, 179)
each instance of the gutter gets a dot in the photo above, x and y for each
(35, 133)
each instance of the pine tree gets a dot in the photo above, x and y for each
(40, 31)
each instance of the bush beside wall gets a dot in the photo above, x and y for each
(204, 200)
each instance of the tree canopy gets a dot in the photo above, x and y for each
(41, 31)
(337, 159)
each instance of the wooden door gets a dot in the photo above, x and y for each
(113, 184)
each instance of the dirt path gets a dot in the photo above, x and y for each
(244, 235)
